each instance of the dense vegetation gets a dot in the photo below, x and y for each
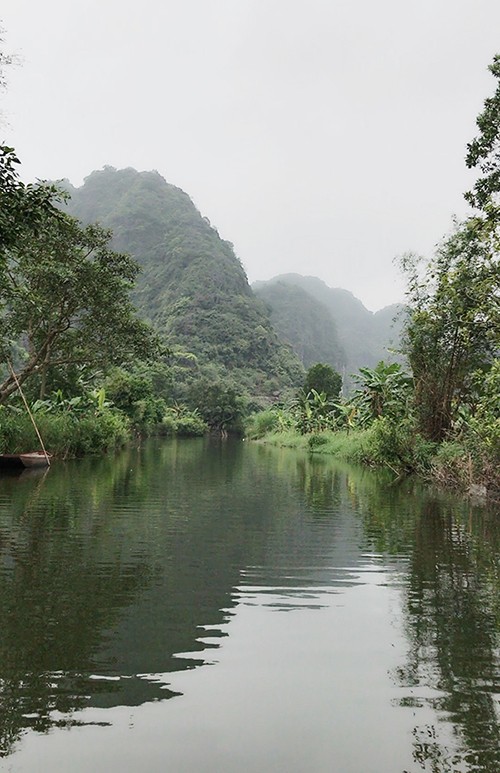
(65, 310)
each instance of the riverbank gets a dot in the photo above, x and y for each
(66, 434)
(400, 449)
(70, 433)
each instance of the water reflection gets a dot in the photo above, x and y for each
(63, 580)
(451, 621)
(116, 574)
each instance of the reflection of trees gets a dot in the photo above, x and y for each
(452, 619)
(320, 483)
(108, 568)
(453, 629)
(56, 599)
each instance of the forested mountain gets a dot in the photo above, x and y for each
(363, 336)
(303, 322)
(192, 287)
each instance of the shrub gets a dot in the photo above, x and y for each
(179, 420)
(64, 434)
(398, 445)
(262, 423)
(316, 440)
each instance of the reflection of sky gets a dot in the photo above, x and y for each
(302, 691)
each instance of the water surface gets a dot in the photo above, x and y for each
(221, 606)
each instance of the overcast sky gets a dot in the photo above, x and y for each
(324, 137)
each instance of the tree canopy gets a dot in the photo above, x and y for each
(483, 152)
(65, 299)
(323, 379)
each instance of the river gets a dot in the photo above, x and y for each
(219, 606)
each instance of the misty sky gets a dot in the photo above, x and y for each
(323, 137)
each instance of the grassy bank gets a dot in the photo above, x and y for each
(399, 448)
(352, 447)
(65, 435)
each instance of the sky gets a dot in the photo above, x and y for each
(324, 137)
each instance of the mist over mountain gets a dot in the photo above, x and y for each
(357, 337)
(303, 322)
(192, 287)
(194, 290)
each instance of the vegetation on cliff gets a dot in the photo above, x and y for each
(192, 287)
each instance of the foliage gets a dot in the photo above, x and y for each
(321, 377)
(275, 419)
(399, 446)
(483, 151)
(90, 401)
(483, 428)
(67, 294)
(218, 405)
(383, 391)
(179, 420)
(316, 440)
(64, 432)
(139, 393)
(314, 412)
(474, 460)
(453, 324)
(352, 447)
(23, 208)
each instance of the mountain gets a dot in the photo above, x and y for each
(364, 336)
(192, 287)
(303, 322)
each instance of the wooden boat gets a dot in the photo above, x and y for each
(30, 459)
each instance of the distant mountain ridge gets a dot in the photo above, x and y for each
(363, 336)
(303, 322)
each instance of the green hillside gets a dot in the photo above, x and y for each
(192, 287)
(365, 337)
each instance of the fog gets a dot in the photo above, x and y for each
(324, 137)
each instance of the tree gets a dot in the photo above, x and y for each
(453, 328)
(484, 151)
(22, 207)
(65, 297)
(218, 405)
(323, 378)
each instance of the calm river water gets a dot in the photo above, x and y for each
(211, 606)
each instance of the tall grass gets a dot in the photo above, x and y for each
(64, 434)
(350, 447)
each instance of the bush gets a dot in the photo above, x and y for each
(314, 441)
(452, 465)
(261, 424)
(398, 445)
(179, 420)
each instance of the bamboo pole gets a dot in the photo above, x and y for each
(29, 413)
